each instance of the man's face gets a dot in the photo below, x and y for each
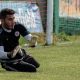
(9, 22)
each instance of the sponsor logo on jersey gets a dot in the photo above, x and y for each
(17, 33)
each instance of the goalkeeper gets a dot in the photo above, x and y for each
(12, 57)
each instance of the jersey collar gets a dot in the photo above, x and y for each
(6, 30)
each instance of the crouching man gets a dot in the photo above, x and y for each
(14, 58)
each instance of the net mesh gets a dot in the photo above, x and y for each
(69, 16)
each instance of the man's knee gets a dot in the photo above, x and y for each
(31, 60)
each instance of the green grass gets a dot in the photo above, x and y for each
(60, 62)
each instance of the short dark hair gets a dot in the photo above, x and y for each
(5, 12)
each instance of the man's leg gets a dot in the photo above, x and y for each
(7, 67)
(30, 59)
(19, 66)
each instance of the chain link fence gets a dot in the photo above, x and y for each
(69, 16)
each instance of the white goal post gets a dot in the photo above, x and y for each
(49, 29)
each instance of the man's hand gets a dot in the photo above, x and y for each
(33, 42)
(13, 53)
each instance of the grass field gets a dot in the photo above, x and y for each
(60, 62)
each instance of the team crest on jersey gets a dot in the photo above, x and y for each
(17, 33)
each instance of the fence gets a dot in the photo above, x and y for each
(69, 16)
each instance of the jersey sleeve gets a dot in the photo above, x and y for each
(23, 30)
(0, 40)
(3, 55)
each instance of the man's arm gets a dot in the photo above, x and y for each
(3, 55)
(32, 40)
(29, 37)
(8, 55)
